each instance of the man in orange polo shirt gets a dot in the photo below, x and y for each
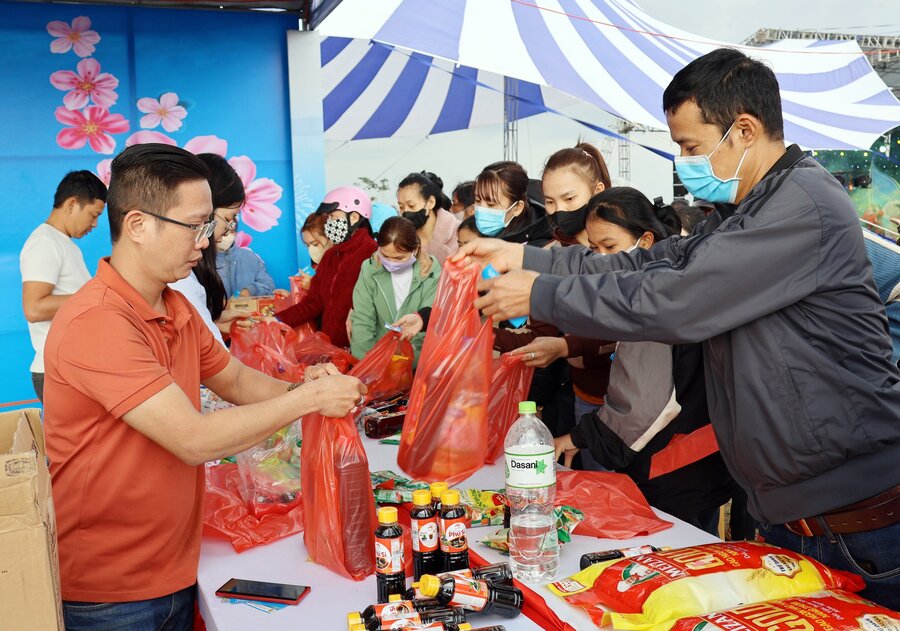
(125, 358)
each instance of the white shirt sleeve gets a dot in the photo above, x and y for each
(40, 260)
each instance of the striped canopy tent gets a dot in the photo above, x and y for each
(614, 55)
(374, 90)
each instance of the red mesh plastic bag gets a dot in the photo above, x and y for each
(318, 349)
(613, 505)
(510, 383)
(226, 516)
(267, 347)
(339, 508)
(387, 368)
(445, 431)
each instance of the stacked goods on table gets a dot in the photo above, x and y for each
(741, 586)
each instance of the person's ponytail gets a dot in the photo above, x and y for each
(667, 216)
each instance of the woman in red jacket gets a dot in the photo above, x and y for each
(330, 294)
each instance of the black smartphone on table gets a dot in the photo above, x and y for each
(264, 591)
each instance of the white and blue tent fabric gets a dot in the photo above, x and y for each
(374, 90)
(614, 55)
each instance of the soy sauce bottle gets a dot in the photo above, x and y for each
(609, 555)
(454, 542)
(394, 610)
(437, 489)
(425, 535)
(473, 594)
(446, 615)
(389, 572)
(496, 573)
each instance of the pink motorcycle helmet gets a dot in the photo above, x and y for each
(349, 199)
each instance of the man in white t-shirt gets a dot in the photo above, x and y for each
(52, 265)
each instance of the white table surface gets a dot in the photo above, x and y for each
(333, 596)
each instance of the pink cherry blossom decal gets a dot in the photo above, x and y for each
(207, 144)
(242, 239)
(166, 110)
(259, 211)
(78, 36)
(144, 137)
(87, 83)
(93, 125)
(104, 171)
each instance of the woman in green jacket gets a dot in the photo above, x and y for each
(400, 278)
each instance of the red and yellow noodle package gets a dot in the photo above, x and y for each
(652, 591)
(823, 611)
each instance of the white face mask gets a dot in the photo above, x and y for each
(225, 244)
(636, 245)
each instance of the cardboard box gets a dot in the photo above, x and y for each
(29, 562)
(262, 305)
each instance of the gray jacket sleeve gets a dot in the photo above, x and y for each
(752, 266)
(639, 403)
(577, 259)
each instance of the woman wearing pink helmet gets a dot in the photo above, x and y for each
(330, 294)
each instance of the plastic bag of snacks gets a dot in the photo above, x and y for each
(226, 514)
(510, 382)
(270, 473)
(822, 611)
(483, 508)
(298, 293)
(338, 507)
(652, 591)
(318, 349)
(267, 347)
(387, 368)
(445, 431)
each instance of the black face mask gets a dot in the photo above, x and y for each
(569, 222)
(417, 217)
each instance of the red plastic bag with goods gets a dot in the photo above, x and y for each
(298, 293)
(510, 383)
(318, 349)
(226, 516)
(445, 431)
(613, 505)
(270, 473)
(387, 368)
(339, 508)
(267, 347)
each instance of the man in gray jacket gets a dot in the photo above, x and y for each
(803, 397)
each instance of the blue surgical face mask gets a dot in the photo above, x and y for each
(698, 177)
(490, 221)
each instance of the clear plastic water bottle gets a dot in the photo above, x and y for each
(531, 490)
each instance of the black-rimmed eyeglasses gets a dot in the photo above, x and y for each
(201, 230)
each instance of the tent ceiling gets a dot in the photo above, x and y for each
(614, 55)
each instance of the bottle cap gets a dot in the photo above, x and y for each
(450, 497)
(387, 515)
(465, 626)
(353, 618)
(429, 585)
(395, 598)
(359, 626)
(437, 488)
(527, 407)
(422, 497)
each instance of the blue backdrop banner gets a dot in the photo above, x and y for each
(90, 80)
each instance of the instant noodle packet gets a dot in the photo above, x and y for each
(822, 611)
(652, 591)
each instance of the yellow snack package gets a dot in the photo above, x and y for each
(649, 592)
(823, 611)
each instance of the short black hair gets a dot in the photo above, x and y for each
(630, 209)
(725, 84)
(469, 224)
(465, 193)
(84, 186)
(147, 177)
(224, 182)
